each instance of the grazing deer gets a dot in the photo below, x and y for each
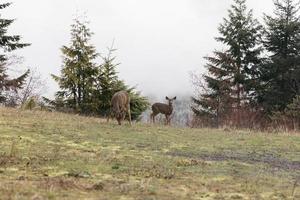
(165, 109)
(120, 106)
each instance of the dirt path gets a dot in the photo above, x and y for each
(251, 158)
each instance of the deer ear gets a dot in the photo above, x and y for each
(167, 98)
(174, 98)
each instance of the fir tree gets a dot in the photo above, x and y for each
(232, 74)
(78, 70)
(108, 83)
(86, 87)
(281, 72)
(8, 43)
(217, 98)
(241, 33)
(138, 104)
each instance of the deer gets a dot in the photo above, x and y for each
(165, 109)
(120, 103)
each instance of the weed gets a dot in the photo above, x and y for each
(13, 147)
(63, 156)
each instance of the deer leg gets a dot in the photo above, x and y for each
(107, 118)
(168, 120)
(123, 115)
(153, 117)
(129, 115)
(166, 123)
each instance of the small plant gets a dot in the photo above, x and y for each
(190, 162)
(152, 190)
(30, 104)
(116, 166)
(56, 152)
(289, 119)
(97, 186)
(79, 174)
(294, 189)
(3, 160)
(13, 147)
(154, 171)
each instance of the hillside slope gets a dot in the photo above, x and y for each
(59, 156)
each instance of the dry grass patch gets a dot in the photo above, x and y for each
(60, 156)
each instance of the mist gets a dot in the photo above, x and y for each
(159, 42)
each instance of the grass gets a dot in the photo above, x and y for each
(59, 156)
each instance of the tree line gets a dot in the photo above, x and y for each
(255, 80)
(86, 86)
(252, 82)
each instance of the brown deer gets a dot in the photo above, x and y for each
(120, 106)
(165, 109)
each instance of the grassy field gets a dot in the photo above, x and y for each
(58, 156)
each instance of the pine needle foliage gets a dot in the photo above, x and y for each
(85, 86)
(232, 73)
(280, 73)
(8, 43)
(78, 70)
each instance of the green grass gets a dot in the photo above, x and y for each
(59, 156)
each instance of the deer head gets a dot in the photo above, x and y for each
(170, 100)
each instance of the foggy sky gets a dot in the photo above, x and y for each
(159, 42)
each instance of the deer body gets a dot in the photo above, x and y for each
(121, 105)
(165, 109)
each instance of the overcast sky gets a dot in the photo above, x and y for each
(159, 42)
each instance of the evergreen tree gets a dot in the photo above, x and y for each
(293, 112)
(8, 43)
(108, 83)
(78, 70)
(232, 74)
(241, 33)
(86, 87)
(138, 104)
(281, 72)
(217, 99)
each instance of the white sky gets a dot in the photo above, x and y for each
(159, 41)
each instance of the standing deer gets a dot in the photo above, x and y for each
(120, 106)
(165, 109)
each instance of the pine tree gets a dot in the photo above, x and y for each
(79, 69)
(138, 104)
(108, 83)
(217, 99)
(232, 74)
(281, 72)
(293, 112)
(8, 44)
(241, 33)
(86, 87)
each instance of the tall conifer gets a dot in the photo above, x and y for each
(86, 87)
(233, 73)
(280, 74)
(8, 43)
(108, 83)
(79, 69)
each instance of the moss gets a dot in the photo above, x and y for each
(61, 156)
